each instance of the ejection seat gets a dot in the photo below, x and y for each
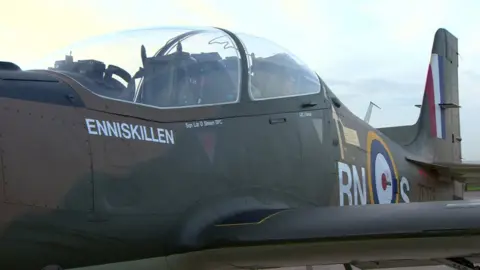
(167, 79)
(97, 77)
(216, 84)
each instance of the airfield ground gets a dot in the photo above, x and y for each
(340, 267)
(472, 195)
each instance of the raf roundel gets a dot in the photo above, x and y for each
(383, 180)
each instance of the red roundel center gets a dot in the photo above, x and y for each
(384, 181)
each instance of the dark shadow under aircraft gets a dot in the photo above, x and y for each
(222, 151)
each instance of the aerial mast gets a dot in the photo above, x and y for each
(369, 111)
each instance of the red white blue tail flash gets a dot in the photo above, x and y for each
(435, 96)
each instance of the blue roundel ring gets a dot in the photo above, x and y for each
(389, 181)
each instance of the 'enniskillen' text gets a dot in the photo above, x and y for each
(129, 131)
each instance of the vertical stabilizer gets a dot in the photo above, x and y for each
(436, 135)
(439, 121)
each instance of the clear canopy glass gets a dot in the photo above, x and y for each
(275, 72)
(178, 67)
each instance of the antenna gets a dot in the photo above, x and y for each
(369, 111)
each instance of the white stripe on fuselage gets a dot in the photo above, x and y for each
(436, 93)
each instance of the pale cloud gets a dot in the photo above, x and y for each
(46, 26)
(295, 10)
(36, 27)
(207, 14)
(365, 50)
(405, 21)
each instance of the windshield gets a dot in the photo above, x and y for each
(275, 71)
(161, 67)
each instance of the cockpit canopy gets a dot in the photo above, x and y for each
(172, 67)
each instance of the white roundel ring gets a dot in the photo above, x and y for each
(381, 172)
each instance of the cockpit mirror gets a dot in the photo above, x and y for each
(143, 55)
(179, 48)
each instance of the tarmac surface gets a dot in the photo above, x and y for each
(340, 267)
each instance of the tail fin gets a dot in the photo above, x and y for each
(436, 135)
(439, 117)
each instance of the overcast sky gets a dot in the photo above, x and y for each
(365, 50)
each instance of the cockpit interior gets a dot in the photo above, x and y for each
(188, 71)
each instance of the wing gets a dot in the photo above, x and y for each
(464, 172)
(400, 234)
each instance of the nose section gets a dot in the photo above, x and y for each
(45, 151)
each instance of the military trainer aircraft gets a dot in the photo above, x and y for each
(200, 148)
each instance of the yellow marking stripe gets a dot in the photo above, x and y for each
(370, 137)
(251, 223)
